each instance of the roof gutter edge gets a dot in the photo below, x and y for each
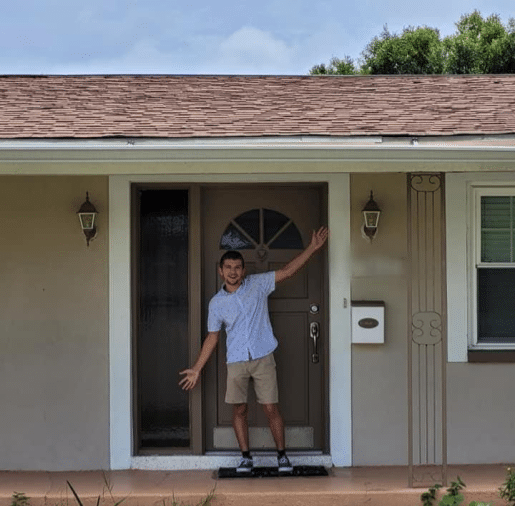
(460, 142)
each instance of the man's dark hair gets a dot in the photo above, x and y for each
(232, 255)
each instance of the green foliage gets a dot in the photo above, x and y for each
(507, 491)
(336, 66)
(20, 499)
(453, 497)
(428, 497)
(415, 51)
(479, 46)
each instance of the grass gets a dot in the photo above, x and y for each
(20, 499)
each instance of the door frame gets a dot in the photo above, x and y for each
(120, 317)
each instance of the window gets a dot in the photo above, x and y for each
(162, 331)
(493, 270)
(261, 227)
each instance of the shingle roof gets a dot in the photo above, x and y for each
(229, 106)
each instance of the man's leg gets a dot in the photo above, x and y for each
(267, 393)
(276, 423)
(275, 420)
(265, 384)
(241, 426)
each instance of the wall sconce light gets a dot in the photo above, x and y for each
(371, 214)
(87, 215)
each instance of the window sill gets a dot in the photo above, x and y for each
(491, 356)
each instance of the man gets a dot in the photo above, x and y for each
(241, 306)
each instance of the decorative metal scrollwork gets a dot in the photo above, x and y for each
(425, 182)
(426, 328)
(427, 444)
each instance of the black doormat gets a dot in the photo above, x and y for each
(271, 472)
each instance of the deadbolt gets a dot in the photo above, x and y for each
(314, 308)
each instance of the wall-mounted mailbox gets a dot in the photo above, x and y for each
(367, 321)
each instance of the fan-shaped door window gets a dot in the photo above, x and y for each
(261, 227)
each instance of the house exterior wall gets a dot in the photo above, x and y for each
(480, 401)
(480, 396)
(379, 371)
(54, 332)
(53, 325)
(480, 423)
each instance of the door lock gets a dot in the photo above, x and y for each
(314, 333)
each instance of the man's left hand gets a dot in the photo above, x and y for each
(319, 238)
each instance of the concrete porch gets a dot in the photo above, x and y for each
(373, 486)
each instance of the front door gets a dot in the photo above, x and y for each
(269, 226)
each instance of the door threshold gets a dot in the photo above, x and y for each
(225, 459)
(265, 453)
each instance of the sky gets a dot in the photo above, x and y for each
(259, 37)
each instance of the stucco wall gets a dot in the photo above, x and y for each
(480, 401)
(53, 325)
(379, 371)
(54, 336)
(480, 397)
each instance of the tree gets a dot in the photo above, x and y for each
(482, 46)
(415, 51)
(336, 66)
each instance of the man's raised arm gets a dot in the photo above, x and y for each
(318, 239)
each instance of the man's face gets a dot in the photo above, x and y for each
(232, 273)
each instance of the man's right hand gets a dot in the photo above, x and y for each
(190, 379)
(191, 376)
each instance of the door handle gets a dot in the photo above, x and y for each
(314, 333)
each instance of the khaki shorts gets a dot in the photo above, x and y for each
(262, 371)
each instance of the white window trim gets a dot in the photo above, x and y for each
(478, 190)
(461, 224)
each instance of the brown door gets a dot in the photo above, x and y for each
(269, 226)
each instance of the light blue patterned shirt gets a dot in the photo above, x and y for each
(245, 316)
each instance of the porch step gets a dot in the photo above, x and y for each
(374, 486)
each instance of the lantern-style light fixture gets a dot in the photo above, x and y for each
(371, 214)
(87, 215)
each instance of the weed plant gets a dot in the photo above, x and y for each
(454, 496)
(507, 491)
(20, 499)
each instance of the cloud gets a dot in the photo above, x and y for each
(251, 45)
(247, 50)
(140, 57)
(250, 50)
